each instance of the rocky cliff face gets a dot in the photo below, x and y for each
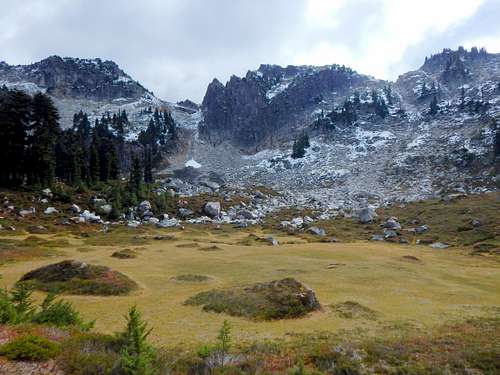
(269, 104)
(273, 104)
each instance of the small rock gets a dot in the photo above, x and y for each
(272, 241)
(44, 200)
(297, 221)
(476, 223)
(392, 224)
(421, 229)
(47, 193)
(133, 224)
(105, 209)
(317, 231)
(308, 220)
(184, 212)
(144, 206)
(24, 213)
(50, 211)
(75, 209)
(439, 245)
(389, 233)
(377, 237)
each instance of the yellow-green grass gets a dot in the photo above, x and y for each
(446, 285)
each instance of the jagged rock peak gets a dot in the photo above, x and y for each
(76, 78)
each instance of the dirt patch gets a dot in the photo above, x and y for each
(410, 258)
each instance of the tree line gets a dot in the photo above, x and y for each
(35, 150)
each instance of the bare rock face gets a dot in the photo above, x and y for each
(251, 111)
(76, 78)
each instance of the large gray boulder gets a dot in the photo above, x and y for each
(366, 215)
(212, 209)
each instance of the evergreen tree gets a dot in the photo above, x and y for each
(137, 355)
(148, 166)
(15, 114)
(433, 108)
(135, 179)
(300, 145)
(45, 132)
(94, 165)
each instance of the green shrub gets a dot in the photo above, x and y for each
(16, 305)
(60, 313)
(31, 348)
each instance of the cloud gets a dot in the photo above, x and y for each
(175, 47)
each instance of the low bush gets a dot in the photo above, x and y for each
(90, 354)
(30, 348)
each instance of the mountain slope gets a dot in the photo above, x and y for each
(93, 86)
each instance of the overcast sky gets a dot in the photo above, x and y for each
(176, 47)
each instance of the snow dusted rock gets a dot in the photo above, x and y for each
(184, 212)
(392, 223)
(105, 209)
(24, 213)
(377, 237)
(148, 214)
(366, 215)
(421, 229)
(212, 209)
(210, 184)
(317, 231)
(44, 200)
(439, 245)
(272, 241)
(164, 217)
(133, 223)
(297, 221)
(168, 223)
(153, 220)
(90, 217)
(389, 233)
(308, 220)
(50, 211)
(285, 224)
(476, 223)
(47, 193)
(247, 214)
(144, 206)
(75, 209)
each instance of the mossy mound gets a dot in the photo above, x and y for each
(189, 278)
(279, 299)
(354, 310)
(75, 277)
(125, 254)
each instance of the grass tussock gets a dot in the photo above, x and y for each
(74, 277)
(125, 254)
(191, 278)
(280, 299)
(354, 310)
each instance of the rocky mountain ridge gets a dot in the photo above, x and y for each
(93, 86)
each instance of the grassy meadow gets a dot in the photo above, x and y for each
(402, 285)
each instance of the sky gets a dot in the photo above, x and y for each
(176, 47)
